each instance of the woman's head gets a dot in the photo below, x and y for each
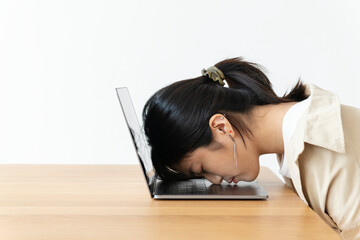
(184, 120)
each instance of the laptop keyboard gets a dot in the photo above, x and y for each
(194, 186)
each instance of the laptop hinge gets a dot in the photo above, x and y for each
(153, 185)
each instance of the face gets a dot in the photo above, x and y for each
(218, 165)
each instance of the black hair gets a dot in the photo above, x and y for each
(176, 117)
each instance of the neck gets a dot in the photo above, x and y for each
(266, 125)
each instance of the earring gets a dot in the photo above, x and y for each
(234, 149)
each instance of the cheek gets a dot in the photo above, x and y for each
(248, 163)
(220, 164)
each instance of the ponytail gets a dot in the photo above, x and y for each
(240, 74)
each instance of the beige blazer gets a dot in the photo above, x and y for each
(324, 161)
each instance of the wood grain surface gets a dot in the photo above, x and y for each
(50, 202)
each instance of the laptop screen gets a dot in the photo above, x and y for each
(136, 132)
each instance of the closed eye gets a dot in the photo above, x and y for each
(202, 171)
(197, 174)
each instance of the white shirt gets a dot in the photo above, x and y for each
(290, 121)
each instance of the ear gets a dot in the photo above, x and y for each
(220, 127)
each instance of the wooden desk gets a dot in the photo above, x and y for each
(112, 202)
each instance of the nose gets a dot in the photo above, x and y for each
(228, 180)
(215, 179)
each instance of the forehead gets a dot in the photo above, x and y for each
(184, 165)
(187, 163)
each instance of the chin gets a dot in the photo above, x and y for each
(249, 179)
(252, 176)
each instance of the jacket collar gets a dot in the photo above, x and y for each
(324, 125)
(321, 125)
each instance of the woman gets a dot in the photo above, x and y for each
(201, 128)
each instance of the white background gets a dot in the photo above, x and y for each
(60, 62)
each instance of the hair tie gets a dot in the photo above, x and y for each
(215, 74)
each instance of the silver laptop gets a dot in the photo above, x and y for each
(190, 189)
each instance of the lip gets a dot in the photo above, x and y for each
(233, 180)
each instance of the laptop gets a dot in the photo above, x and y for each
(199, 188)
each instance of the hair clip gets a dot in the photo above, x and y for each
(215, 74)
